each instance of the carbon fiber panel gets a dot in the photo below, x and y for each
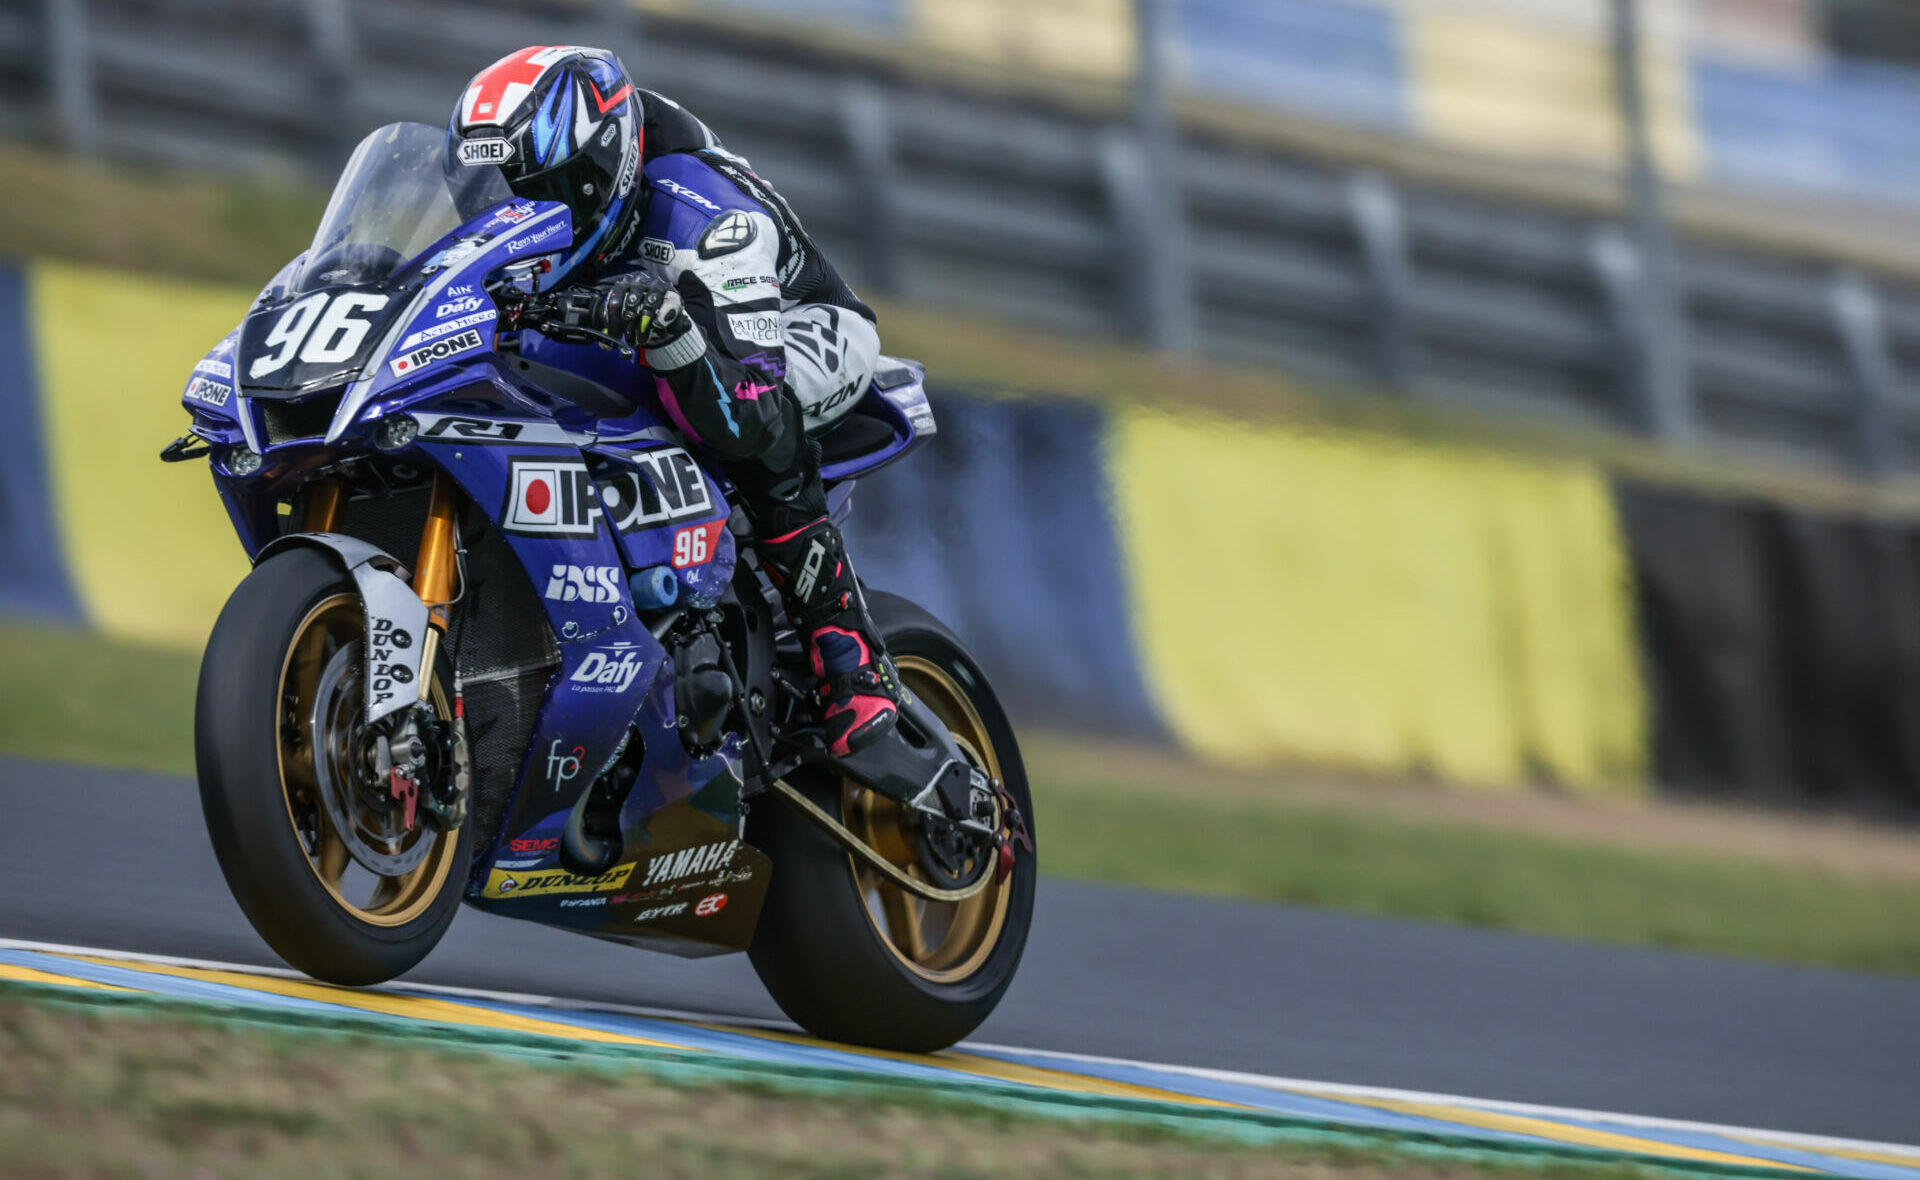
(499, 636)
(506, 655)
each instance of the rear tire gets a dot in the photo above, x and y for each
(254, 739)
(832, 944)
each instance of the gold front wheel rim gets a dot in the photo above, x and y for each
(941, 942)
(392, 901)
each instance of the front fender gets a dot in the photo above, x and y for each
(396, 618)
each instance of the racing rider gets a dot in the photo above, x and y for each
(749, 331)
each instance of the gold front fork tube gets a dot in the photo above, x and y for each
(326, 499)
(434, 569)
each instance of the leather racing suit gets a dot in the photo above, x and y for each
(777, 341)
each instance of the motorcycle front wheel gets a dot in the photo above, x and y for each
(847, 954)
(324, 868)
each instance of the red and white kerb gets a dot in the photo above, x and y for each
(500, 88)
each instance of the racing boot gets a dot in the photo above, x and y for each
(854, 688)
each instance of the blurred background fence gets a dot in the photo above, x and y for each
(1449, 202)
(1420, 196)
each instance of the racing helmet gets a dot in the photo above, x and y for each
(562, 123)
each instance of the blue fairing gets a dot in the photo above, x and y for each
(583, 503)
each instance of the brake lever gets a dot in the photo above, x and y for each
(575, 334)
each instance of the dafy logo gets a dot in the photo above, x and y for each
(610, 669)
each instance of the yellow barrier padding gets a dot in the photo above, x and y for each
(149, 546)
(1093, 39)
(1378, 605)
(1492, 82)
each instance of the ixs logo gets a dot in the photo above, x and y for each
(504, 884)
(457, 307)
(654, 913)
(689, 862)
(550, 498)
(667, 487)
(213, 393)
(476, 152)
(439, 350)
(584, 583)
(610, 669)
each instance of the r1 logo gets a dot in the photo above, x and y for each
(694, 546)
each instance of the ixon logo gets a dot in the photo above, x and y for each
(611, 669)
(588, 583)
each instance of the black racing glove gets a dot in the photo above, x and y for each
(641, 309)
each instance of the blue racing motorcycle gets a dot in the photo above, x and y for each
(503, 643)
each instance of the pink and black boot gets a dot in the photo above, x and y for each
(854, 687)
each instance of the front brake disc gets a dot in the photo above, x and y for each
(373, 836)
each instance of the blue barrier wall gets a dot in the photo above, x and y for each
(33, 571)
(1845, 127)
(1002, 528)
(1326, 57)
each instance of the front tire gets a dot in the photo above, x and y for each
(278, 697)
(851, 957)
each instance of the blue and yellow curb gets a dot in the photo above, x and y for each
(1244, 1107)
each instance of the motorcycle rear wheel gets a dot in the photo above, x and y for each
(852, 957)
(278, 684)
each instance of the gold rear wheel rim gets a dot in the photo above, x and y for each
(941, 942)
(394, 901)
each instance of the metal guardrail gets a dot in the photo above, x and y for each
(1346, 275)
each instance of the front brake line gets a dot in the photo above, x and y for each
(860, 848)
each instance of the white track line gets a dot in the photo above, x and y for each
(1295, 1085)
(1490, 1105)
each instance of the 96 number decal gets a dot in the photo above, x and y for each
(331, 335)
(694, 546)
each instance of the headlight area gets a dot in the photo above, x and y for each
(239, 461)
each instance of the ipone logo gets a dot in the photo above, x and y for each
(611, 669)
(438, 350)
(551, 498)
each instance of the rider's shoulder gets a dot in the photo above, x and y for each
(696, 184)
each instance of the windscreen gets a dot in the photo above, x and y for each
(401, 192)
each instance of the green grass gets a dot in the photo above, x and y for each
(68, 694)
(98, 1093)
(72, 695)
(1349, 860)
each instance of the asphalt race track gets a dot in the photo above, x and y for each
(120, 860)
